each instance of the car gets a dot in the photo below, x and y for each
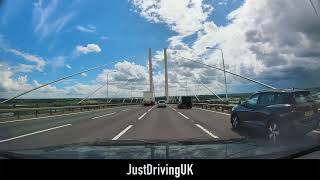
(278, 112)
(185, 102)
(162, 103)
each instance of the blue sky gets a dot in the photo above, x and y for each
(119, 31)
(127, 35)
(69, 36)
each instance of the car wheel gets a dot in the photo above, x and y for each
(235, 121)
(273, 130)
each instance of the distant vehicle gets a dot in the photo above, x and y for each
(148, 98)
(162, 103)
(185, 102)
(279, 112)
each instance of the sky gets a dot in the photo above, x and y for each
(276, 42)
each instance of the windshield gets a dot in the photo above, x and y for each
(81, 72)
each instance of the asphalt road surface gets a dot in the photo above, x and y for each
(123, 123)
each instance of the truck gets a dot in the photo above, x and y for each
(148, 98)
(185, 102)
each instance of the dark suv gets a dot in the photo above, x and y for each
(279, 112)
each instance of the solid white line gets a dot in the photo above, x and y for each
(213, 111)
(37, 132)
(125, 110)
(206, 131)
(20, 120)
(315, 131)
(103, 115)
(142, 115)
(122, 132)
(183, 115)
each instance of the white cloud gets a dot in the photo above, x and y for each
(87, 29)
(68, 66)
(88, 49)
(125, 70)
(40, 62)
(266, 40)
(282, 40)
(45, 21)
(25, 68)
(9, 85)
(84, 74)
(49, 91)
(183, 16)
(82, 90)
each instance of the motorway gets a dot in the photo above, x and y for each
(123, 123)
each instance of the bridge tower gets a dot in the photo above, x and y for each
(166, 74)
(150, 72)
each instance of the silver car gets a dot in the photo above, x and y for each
(162, 103)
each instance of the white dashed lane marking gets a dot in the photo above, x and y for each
(122, 132)
(183, 115)
(142, 115)
(103, 115)
(206, 131)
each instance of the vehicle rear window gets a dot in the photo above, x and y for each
(186, 99)
(162, 101)
(302, 97)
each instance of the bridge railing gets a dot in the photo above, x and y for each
(217, 107)
(17, 113)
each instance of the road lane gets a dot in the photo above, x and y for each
(37, 132)
(216, 123)
(164, 124)
(219, 122)
(82, 130)
(126, 123)
(8, 130)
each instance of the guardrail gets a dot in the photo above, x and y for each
(18, 112)
(221, 107)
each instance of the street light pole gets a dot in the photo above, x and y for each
(96, 90)
(224, 72)
(108, 84)
(187, 87)
(107, 87)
